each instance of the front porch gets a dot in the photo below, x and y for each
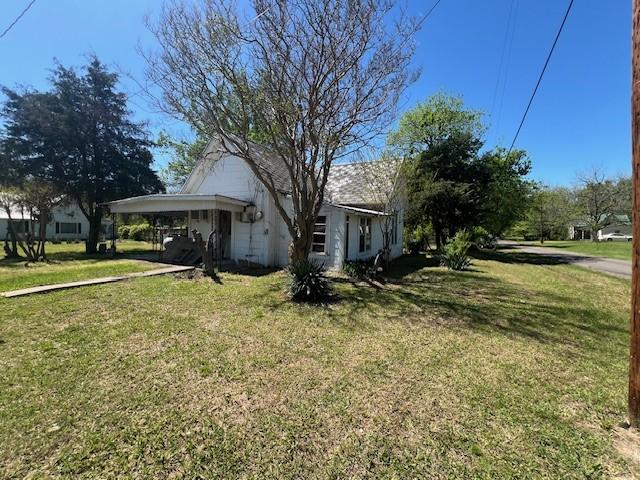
(205, 213)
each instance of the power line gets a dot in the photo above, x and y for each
(506, 69)
(6, 30)
(431, 10)
(504, 49)
(540, 77)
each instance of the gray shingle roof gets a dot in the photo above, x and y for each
(346, 186)
(273, 165)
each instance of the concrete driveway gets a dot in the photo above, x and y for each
(619, 268)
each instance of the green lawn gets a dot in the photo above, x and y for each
(620, 250)
(68, 263)
(516, 369)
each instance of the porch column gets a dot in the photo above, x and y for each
(113, 233)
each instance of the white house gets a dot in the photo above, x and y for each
(66, 222)
(613, 223)
(223, 192)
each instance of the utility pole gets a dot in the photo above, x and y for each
(634, 328)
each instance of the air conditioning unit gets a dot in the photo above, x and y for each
(250, 215)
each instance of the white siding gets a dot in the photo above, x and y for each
(267, 240)
(230, 176)
(334, 248)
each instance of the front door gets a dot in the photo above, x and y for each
(225, 233)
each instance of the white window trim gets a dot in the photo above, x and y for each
(370, 221)
(394, 228)
(326, 237)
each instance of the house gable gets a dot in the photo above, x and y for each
(221, 173)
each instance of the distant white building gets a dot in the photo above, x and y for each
(222, 194)
(66, 222)
(613, 223)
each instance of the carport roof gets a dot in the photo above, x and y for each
(167, 202)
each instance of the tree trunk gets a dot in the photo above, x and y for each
(437, 230)
(298, 250)
(12, 252)
(93, 235)
(42, 225)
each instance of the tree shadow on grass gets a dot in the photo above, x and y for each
(472, 300)
(516, 256)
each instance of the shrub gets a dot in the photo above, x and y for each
(142, 231)
(123, 231)
(359, 269)
(307, 281)
(418, 240)
(480, 237)
(454, 255)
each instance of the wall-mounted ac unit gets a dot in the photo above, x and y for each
(250, 214)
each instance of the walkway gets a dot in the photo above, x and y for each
(618, 268)
(94, 281)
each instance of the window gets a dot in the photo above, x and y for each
(21, 226)
(67, 227)
(204, 214)
(319, 243)
(365, 234)
(195, 215)
(394, 228)
(346, 239)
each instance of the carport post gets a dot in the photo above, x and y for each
(634, 327)
(113, 233)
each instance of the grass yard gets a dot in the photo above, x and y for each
(68, 263)
(619, 250)
(512, 370)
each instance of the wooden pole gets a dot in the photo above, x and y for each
(634, 347)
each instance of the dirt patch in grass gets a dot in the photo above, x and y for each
(627, 443)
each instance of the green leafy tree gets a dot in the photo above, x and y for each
(79, 137)
(624, 197)
(445, 186)
(430, 123)
(549, 212)
(184, 156)
(507, 191)
(451, 186)
(441, 139)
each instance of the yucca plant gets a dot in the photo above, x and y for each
(454, 255)
(308, 282)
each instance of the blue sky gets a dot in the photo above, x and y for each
(579, 119)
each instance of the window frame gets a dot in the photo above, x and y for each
(364, 234)
(394, 228)
(65, 226)
(323, 233)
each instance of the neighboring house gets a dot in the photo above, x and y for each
(20, 218)
(66, 222)
(614, 223)
(223, 194)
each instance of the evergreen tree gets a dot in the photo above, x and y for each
(80, 138)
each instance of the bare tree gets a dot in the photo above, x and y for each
(596, 199)
(385, 188)
(314, 80)
(38, 198)
(9, 202)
